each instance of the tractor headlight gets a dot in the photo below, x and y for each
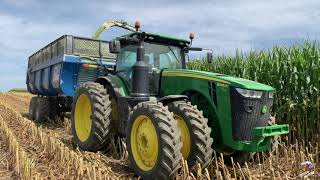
(249, 93)
(271, 95)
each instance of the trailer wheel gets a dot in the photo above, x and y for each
(42, 111)
(195, 133)
(56, 112)
(153, 141)
(90, 117)
(54, 104)
(32, 108)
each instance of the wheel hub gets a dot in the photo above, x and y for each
(144, 142)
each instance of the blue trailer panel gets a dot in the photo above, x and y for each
(57, 69)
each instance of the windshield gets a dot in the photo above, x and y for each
(157, 56)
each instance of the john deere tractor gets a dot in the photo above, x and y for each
(137, 86)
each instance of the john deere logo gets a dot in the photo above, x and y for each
(264, 109)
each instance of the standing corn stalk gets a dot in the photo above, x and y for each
(293, 71)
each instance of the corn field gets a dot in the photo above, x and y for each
(295, 74)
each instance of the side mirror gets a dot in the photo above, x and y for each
(114, 46)
(209, 57)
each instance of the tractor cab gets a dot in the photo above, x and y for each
(159, 53)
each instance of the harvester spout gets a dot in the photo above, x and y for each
(112, 23)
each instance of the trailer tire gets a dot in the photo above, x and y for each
(32, 108)
(54, 104)
(42, 109)
(90, 117)
(55, 113)
(195, 133)
(153, 142)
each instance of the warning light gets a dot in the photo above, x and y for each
(191, 36)
(85, 65)
(137, 24)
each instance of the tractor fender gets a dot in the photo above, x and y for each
(123, 107)
(171, 98)
(109, 81)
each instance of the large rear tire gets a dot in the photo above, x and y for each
(114, 109)
(195, 133)
(153, 141)
(90, 117)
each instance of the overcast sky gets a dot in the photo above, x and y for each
(224, 25)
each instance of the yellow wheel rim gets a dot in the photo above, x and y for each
(185, 136)
(82, 117)
(144, 143)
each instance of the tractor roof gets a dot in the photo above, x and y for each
(153, 37)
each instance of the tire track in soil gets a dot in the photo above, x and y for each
(62, 132)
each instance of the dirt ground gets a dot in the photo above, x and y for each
(58, 129)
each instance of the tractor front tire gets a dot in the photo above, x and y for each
(153, 141)
(90, 117)
(195, 133)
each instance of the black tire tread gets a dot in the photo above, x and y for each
(100, 117)
(170, 143)
(200, 133)
(53, 114)
(32, 108)
(42, 108)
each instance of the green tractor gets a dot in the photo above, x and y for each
(165, 111)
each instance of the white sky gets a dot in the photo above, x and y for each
(224, 26)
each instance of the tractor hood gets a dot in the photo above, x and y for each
(220, 78)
